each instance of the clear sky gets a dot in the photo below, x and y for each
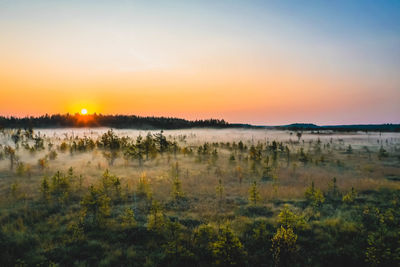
(259, 62)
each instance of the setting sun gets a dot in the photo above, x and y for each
(83, 111)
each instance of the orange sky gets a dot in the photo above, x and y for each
(178, 64)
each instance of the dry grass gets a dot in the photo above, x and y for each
(360, 170)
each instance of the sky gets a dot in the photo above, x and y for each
(258, 62)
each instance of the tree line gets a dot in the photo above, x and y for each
(114, 121)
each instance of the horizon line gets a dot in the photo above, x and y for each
(293, 124)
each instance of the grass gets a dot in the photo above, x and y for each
(60, 225)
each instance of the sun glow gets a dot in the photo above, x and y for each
(83, 111)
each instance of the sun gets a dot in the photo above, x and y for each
(84, 111)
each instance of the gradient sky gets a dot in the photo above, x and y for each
(259, 62)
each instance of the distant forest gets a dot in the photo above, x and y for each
(151, 122)
(113, 121)
(388, 127)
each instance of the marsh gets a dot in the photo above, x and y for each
(169, 186)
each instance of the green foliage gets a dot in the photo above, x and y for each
(176, 249)
(14, 190)
(267, 174)
(143, 186)
(255, 211)
(333, 192)
(43, 163)
(227, 249)
(45, 188)
(383, 247)
(284, 247)
(382, 153)
(314, 196)
(349, 150)
(220, 190)
(111, 156)
(52, 155)
(10, 153)
(75, 233)
(177, 193)
(299, 134)
(63, 146)
(254, 194)
(288, 219)
(39, 142)
(16, 136)
(204, 237)
(257, 237)
(156, 218)
(161, 142)
(255, 153)
(214, 156)
(83, 144)
(56, 219)
(109, 140)
(60, 185)
(139, 150)
(303, 157)
(232, 158)
(111, 186)
(175, 171)
(239, 173)
(350, 197)
(58, 188)
(95, 207)
(20, 170)
(149, 146)
(128, 218)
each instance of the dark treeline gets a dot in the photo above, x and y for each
(115, 121)
(151, 122)
(388, 127)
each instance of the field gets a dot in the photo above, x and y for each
(199, 197)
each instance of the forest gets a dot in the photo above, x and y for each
(151, 123)
(198, 197)
(115, 121)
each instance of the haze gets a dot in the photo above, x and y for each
(335, 62)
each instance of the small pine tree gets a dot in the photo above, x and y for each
(298, 134)
(220, 192)
(95, 207)
(254, 194)
(14, 190)
(227, 249)
(10, 153)
(349, 150)
(43, 163)
(350, 197)
(177, 193)
(239, 173)
(20, 168)
(287, 218)
(52, 155)
(143, 186)
(45, 188)
(284, 248)
(156, 218)
(314, 196)
(334, 192)
(303, 157)
(232, 158)
(382, 153)
(128, 218)
(111, 185)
